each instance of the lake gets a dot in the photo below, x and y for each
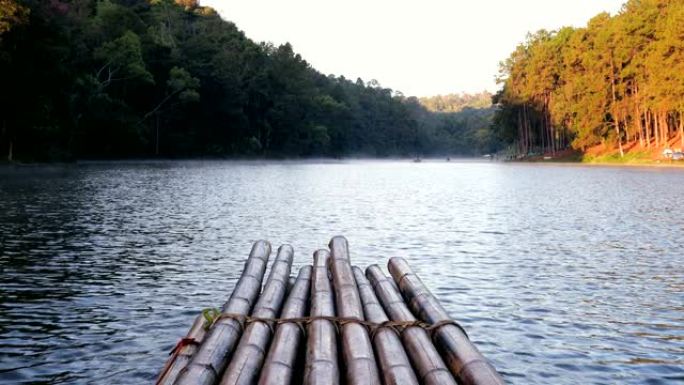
(560, 274)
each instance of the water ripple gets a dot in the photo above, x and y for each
(560, 274)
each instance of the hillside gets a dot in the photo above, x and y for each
(162, 78)
(457, 102)
(616, 85)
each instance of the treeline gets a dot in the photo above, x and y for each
(457, 102)
(143, 78)
(461, 123)
(465, 132)
(619, 80)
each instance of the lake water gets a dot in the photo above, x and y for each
(560, 274)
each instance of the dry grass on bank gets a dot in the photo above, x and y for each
(634, 154)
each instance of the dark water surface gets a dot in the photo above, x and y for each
(561, 275)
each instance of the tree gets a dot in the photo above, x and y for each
(123, 78)
(121, 60)
(11, 13)
(617, 80)
(181, 86)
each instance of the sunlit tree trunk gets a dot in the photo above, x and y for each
(616, 124)
(648, 129)
(656, 129)
(616, 121)
(549, 129)
(666, 127)
(543, 131)
(681, 129)
(659, 118)
(619, 139)
(665, 124)
(637, 122)
(637, 116)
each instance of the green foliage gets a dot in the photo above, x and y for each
(618, 79)
(211, 315)
(138, 78)
(11, 14)
(181, 82)
(636, 157)
(457, 102)
(122, 58)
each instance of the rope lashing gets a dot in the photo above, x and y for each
(174, 353)
(183, 342)
(213, 316)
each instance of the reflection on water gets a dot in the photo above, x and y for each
(561, 275)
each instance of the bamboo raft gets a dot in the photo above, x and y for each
(331, 324)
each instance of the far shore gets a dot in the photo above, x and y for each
(607, 157)
(601, 164)
(559, 161)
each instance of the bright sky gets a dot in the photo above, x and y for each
(421, 48)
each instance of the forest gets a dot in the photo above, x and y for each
(111, 79)
(457, 102)
(616, 83)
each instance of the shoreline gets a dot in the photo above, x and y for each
(604, 159)
(600, 164)
(653, 164)
(558, 162)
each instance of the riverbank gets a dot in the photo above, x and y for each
(611, 163)
(248, 159)
(634, 155)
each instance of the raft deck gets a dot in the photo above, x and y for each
(330, 324)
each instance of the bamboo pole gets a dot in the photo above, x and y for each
(429, 365)
(244, 368)
(214, 353)
(279, 366)
(180, 358)
(357, 350)
(463, 359)
(321, 366)
(394, 364)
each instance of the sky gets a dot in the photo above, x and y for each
(420, 48)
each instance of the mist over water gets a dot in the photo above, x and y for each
(560, 274)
